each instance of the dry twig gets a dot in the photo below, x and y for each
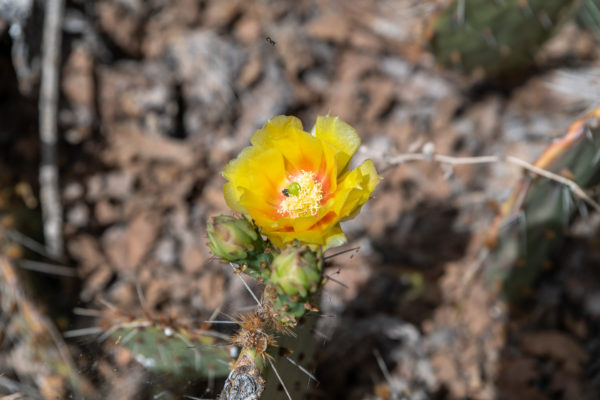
(49, 190)
(449, 160)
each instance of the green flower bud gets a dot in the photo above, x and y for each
(297, 271)
(231, 238)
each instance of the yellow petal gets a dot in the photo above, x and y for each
(276, 128)
(276, 240)
(301, 151)
(354, 190)
(258, 169)
(327, 239)
(329, 170)
(340, 135)
(303, 223)
(232, 197)
(335, 238)
(263, 212)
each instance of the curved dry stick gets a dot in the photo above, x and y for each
(450, 160)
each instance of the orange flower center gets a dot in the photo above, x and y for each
(305, 201)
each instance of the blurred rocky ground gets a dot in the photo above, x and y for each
(158, 95)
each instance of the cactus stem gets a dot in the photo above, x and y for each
(245, 379)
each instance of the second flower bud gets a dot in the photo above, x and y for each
(296, 271)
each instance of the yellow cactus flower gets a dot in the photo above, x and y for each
(297, 186)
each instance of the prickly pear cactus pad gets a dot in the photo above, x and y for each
(495, 38)
(538, 213)
(179, 352)
(588, 16)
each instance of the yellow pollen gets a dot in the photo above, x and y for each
(305, 203)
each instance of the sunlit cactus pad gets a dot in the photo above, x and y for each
(534, 219)
(495, 38)
(179, 352)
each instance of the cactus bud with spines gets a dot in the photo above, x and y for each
(236, 240)
(231, 238)
(297, 271)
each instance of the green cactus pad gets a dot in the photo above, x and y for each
(588, 16)
(538, 213)
(496, 38)
(301, 348)
(181, 353)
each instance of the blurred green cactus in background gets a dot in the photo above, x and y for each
(495, 39)
(534, 219)
(588, 16)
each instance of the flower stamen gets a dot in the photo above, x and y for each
(302, 197)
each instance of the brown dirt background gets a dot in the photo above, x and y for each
(157, 96)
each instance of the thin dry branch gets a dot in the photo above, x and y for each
(48, 104)
(450, 160)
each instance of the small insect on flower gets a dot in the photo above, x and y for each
(298, 186)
